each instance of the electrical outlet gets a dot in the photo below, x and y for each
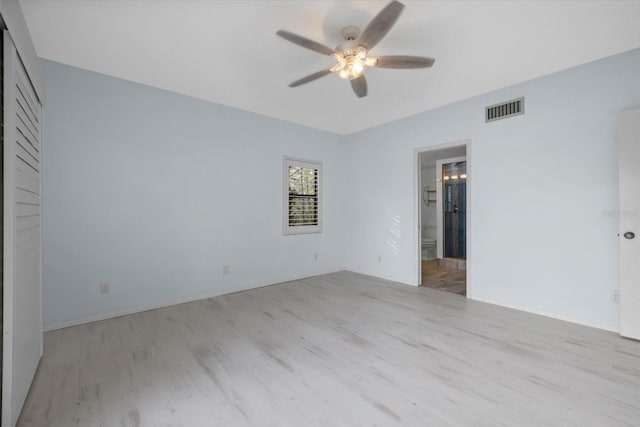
(105, 287)
(614, 296)
(226, 270)
(315, 256)
(379, 258)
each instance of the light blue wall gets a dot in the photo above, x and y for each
(543, 191)
(155, 192)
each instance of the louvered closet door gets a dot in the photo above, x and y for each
(22, 236)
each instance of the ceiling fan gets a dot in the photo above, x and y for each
(352, 55)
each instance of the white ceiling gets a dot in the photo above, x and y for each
(226, 51)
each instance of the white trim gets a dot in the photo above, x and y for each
(305, 163)
(556, 316)
(417, 221)
(419, 217)
(418, 199)
(470, 179)
(13, 19)
(10, 59)
(127, 312)
(141, 309)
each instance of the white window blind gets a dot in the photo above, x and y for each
(302, 196)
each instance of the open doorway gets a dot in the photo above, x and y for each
(443, 175)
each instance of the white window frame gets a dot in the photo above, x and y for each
(308, 229)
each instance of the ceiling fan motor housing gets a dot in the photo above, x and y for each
(349, 48)
(350, 32)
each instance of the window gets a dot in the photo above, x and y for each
(303, 209)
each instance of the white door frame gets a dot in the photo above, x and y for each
(417, 211)
(439, 220)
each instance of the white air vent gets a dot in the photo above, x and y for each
(515, 107)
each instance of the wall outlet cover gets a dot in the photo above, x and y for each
(614, 296)
(105, 287)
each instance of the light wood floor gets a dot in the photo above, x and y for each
(437, 275)
(340, 349)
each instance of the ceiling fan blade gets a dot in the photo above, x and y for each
(305, 42)
(380, 25)
(404, 61)
(310, 78)
(359, 86)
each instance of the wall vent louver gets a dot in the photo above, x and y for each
(515, 107)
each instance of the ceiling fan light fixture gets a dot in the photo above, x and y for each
(352, 54)
(371, 62)
(353, 69)
(339, 67)
(349, 67)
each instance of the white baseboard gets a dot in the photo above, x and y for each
(551, 315)
(187, 300)
(141, 309)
